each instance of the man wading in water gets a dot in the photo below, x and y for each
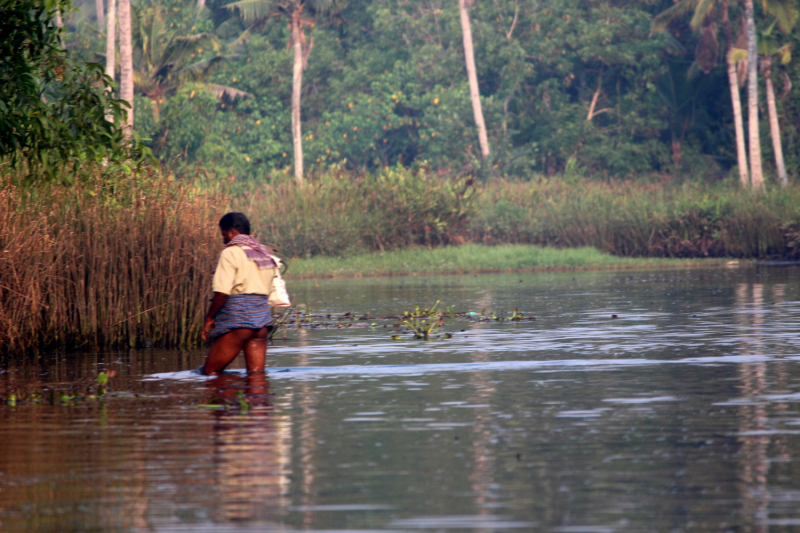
(239, 315)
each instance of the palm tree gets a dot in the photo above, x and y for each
(733, 84)
(474, 92)
(126, 61)
(769, 47)
(258, 12)
(165, 59)
(701, 11)
(756, 176)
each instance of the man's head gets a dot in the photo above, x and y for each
(233, 224)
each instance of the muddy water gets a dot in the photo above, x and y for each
(680, 414)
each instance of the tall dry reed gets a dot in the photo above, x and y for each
(111, 262)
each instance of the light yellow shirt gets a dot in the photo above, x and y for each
(236, 274)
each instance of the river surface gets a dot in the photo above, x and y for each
(657, 401)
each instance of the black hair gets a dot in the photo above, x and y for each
(237, 221)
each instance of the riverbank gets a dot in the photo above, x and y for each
(476, 258)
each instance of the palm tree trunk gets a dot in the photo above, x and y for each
(741, 150)
(774, 127)
(756, 176)
(733, 81)
(111, 39)
(474, 93)
(126, 61)
(297, 84)
(100, 14)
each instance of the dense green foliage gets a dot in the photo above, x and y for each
(386, 84)
(52, 105)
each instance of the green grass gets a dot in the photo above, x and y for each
(473, 258)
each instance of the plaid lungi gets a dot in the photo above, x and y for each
(249, 311)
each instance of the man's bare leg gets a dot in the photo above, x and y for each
(255, 351)
(226, 348)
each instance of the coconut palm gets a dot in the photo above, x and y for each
(474, 93)
(768, 48)
(300, 13)
(702, 21)
(166, 59)
(756, 175)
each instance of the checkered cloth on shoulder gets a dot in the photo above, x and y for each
(255, 251)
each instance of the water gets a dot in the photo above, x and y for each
(680, 414)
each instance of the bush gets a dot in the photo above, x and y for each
(340, 213)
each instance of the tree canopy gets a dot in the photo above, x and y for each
(566, 85)
(52, 104)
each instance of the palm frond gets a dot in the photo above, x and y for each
(785, 53)
(784, 11)
(251, 10)
(163, 71)
(158, 25)
(325, 7)
(674, 46)
(245, 36)
(201, 69)
(180, 47)
(664, 19)
(140, 80)
(225, 92)
(700, 12)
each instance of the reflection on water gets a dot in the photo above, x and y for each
(251, 449)
(681, 414)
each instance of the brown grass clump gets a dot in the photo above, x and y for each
(113, 262)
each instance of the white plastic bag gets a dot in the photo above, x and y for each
(278, 297)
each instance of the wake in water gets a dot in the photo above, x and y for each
(302, 372)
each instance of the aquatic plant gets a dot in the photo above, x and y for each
(62, 396)
(423, 322)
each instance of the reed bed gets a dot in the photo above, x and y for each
(637, 220)
(113, 262)
(339, 214)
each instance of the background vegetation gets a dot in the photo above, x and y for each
(603, 135)
(566, 85)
